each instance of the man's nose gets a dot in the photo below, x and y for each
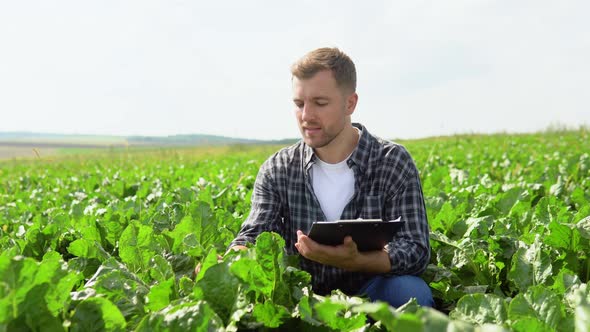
(307, 113)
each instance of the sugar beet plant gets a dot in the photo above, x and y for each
(109, 242)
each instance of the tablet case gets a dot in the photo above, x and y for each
(368, 234)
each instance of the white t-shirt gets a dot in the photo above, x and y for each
(333, 185)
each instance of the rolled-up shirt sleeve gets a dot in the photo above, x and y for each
(409, 252)
(264, 214)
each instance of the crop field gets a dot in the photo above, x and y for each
(109, 242)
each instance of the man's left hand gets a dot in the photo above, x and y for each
(345, 256)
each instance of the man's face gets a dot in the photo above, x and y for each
(322, 109)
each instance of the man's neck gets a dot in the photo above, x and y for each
(341, 147)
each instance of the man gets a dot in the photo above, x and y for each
(340, 171)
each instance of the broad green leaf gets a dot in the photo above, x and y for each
(583, 226)
(97, 314)
(561, 236)
(408, 322)
(208, 227)
(582, 309)
(537, 302)
(185, 235)
(507, 200)
(337, 316)
(137, 245)
(379, 311)
(304, 311)
(209, 261)
(269, 255)
(220, 289)
(122, 287)
(34, 313)
(160, 295)
(88, 249)
(527, 324)
(270, 314)
(160, 269)
(185, 286)
(190, 316)
(565, 280)
(480, 309)
(58, 282)
(530, 266)
(17, 277)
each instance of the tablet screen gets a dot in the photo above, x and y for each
(368, 234)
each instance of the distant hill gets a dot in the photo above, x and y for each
(55, 140)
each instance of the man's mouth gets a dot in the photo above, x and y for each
(311, 130)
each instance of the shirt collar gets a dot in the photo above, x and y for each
(359, 157)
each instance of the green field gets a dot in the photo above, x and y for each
(109, 241)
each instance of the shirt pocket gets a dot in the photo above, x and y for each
(372, 207)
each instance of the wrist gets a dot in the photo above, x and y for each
(371, 262)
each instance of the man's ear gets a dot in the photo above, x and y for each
(351, 101)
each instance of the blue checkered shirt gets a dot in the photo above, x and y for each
(387, 186)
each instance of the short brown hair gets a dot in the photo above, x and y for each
(327, 58)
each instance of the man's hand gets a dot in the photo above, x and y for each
(345, 256)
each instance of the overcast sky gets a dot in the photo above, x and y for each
(222, 67)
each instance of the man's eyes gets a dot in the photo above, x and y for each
(318, 103)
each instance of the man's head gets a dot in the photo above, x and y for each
(324, 85)
(331, 59)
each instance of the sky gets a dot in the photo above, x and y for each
(424, 68)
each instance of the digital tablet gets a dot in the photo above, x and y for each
(368, 234)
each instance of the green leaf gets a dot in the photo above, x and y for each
(561, 236)
(160, 269)
(582, 309)
(304, 311)
(122, 287)
(185, 286)
(379, 311)
(408, 322)
(17, 278)
(508, 199)
(334, 312)
(190, 316)
(209, 261)
(97, 314)
(270, 314)
(88, 249)
(583, 227)
(530, 266)
(266, 274)
(34, 312)
(269, 255)
(138, 244)
(538, 302)
(160, 295)
(565, 280)
(220, 289)
(530, 324)
(185, 236)
(480, 309)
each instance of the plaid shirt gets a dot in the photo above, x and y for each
(387, 186)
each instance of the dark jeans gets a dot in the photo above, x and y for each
(397, 290)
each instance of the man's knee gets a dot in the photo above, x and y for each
(397, 290)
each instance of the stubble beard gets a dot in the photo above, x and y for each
(325, 139)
